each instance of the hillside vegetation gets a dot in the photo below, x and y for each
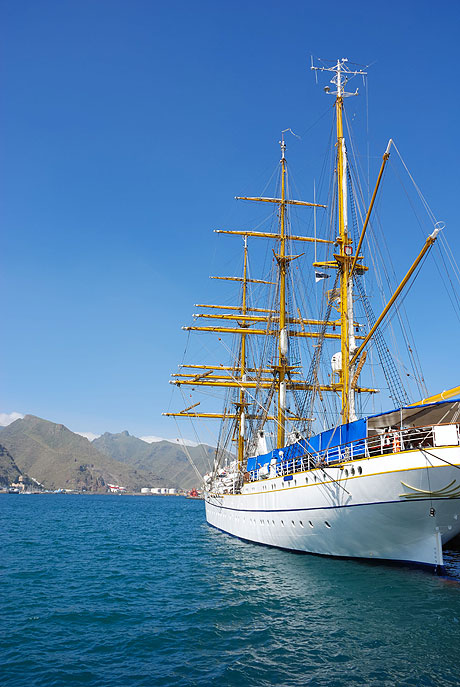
(9, 471)
(58, 458)
(172, 462)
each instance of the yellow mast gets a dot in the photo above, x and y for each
(343, 258)
(242, 404)
(283, 336)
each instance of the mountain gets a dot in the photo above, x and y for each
(167, 460)
(9, 471)
(58, 458)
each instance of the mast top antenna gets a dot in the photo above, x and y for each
(282, 142)
(342, 74)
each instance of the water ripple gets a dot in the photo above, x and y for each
(138, 591)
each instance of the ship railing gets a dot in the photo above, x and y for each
(392, 441)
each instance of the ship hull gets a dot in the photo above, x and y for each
(398, 507)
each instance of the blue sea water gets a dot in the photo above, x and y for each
(133, 591)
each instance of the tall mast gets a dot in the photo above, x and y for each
(346, 284)
(242, 404)
(283, 338)
(345, 257)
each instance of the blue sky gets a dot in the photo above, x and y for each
(128, 128)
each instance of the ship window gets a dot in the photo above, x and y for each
(360, 470)
(300, 523)
(310, 523)
(295, 482)
(306, 480)
(327, 524)
(282, 523)
(316, 478)
(293, 523)
(273, 522)
(352, 471)
(346, 473)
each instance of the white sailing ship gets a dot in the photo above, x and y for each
(384, 485)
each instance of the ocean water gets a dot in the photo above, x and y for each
(133, 591)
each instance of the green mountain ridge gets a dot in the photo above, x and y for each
(59, 458)
(172, 462)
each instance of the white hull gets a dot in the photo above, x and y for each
(368, 515)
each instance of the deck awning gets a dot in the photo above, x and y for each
(442, 412)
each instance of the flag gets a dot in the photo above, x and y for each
(321, 275)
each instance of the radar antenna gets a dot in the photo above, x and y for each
(342, 75)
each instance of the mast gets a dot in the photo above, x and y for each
(283, 337)
(242, 404)
(345, 257)
(346, 282)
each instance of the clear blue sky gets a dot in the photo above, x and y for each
(128, 127)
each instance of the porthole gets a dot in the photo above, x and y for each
(327, 524)
(310, 523)
(316, 479)
(282, 523)
(273, 522)
(306, 480)
(352, 471)
(360, 470)
(293, 523)
(295, 483)
(346, 473)
(300, 523)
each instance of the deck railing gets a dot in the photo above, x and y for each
(393, 441)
